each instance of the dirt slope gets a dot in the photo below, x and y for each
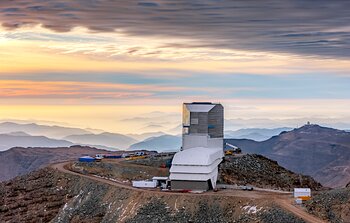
(47, 195)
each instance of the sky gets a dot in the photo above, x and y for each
(127, 66)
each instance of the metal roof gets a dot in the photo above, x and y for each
(197, 156)
(302, 189)
(160, 178)
(86, 157)
(199, 107)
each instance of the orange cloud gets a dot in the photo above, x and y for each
(69, 89)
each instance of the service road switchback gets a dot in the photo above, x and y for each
(283, 199)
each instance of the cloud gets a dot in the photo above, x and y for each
(79, 90)
(315, 28)
(191, 87)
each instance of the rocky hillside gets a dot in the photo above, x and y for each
(47, 195)
(333, 205)
(320, 152)
(19, 161)
(262, 172)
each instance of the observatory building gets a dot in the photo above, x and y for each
(195, 167)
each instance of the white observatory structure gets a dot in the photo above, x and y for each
(195, 167)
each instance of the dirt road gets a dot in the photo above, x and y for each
(287, 205)
(236, 193)
(281, 199)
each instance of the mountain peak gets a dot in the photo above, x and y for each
(18, 133)
(317, 129)
(311, 126)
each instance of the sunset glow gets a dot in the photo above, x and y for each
(143, 64)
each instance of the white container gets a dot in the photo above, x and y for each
(144, 184)
(302, 192)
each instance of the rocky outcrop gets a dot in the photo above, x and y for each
(262, 172)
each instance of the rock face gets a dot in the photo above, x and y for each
(320, 152)
(18, 161)
(262, 172)
(333, 205)
(47, 195)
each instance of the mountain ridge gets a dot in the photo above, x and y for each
(54, 131)
(113, 140)
(257, 134)
(164, 143)
(8, 141)
(321, 152)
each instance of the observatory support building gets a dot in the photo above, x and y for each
(195, 167)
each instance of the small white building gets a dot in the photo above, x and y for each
(302, 193)
(144, 184)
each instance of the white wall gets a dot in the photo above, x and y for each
(148, 184)
(192, 141)
(302, 192)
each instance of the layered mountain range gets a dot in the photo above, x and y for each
(34, 135)
(323, 153)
